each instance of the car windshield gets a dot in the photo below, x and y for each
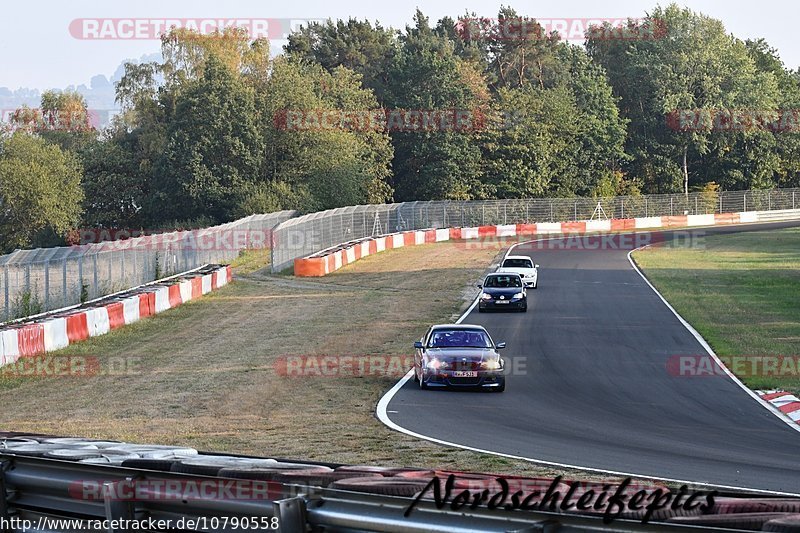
(503, 281)
(459, 338)
(518, 263)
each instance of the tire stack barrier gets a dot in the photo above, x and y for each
(332, 259)
(55, 331)
(283, 478)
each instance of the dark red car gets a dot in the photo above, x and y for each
(459, 355)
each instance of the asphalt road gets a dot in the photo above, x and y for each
(591, 387)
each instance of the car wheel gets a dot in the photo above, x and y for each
(480, 309)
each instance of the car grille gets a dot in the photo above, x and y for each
(465, 381)
(470, 365)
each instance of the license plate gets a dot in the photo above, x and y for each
(502, 301)
(465, 374)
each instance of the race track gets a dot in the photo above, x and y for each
(595, 391)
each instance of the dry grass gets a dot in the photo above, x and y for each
(204, 374)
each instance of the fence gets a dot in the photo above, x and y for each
(44, 279)
(305, 235)
(50, 278)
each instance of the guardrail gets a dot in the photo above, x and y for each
(44, 279)
(326, 261)
(308, 234)
(81, 495)
(54, 331)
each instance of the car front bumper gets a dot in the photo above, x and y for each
(486, 379)
(510, 304)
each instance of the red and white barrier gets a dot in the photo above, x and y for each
(323, 263)
(53, 333)
(786, 403)
(97, 319)
(162, 299)
(130, 309)
(10, 346)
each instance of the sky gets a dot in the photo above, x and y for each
(44, 53)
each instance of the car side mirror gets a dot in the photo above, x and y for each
(418, 345)
(479, 285)
(500, 345)
(535, 266)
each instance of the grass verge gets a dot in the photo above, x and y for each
(206, 374)
(742, 294)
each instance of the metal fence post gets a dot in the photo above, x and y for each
(793, 199)
(28, 279)
(576, 210)
(744, 207)
(47, 285)
(7, 294)
(622, 208)
(645, 207)
(94, 264)
(769, 200)
(695, 205)
(80, 277)
(64, 282)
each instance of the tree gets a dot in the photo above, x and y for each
(695, 66)
(114, 186)
(425, 76)
(214, 148)
(63, 119)
(325, 167)
(39, 190)
(360, 46)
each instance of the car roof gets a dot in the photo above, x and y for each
(458, 326)
(517, 257)
(503, 274)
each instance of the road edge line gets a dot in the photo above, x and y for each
(707, 347)
(383, 417)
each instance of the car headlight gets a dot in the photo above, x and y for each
(486, 296)
(491, 365)
(435, 364)
(517, 296)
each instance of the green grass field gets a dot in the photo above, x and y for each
(741, 292)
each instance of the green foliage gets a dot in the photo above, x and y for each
(26, 303)
(696, 65)
(200, 139)
(39, 190)
(213, 147)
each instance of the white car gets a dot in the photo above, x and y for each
(524, 266)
